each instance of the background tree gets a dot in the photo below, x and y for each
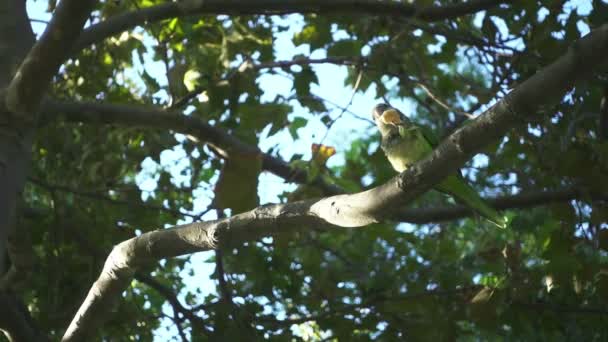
(156, 114)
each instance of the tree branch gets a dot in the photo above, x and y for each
(140, 116)
(15, 320)
(171, 297)
(561, 309)
(24, 94)
(423, 215)
(356, 210)
(117, 201)
(519, 201)
(438, 13)
(126, 21)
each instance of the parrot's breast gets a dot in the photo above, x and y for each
(404, 151)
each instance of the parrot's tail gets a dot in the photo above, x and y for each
(465, 194)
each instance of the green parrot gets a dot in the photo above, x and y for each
(404, 143)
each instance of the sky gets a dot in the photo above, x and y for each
(341, 135)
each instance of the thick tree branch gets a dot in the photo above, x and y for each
(140, 116)
(424, 215)
(519, 201)
(15, 320)
(356, 210)
(126, 21)
(91, 248)
(25, 91)
(16, 36)
(451, 11)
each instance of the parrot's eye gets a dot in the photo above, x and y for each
(379, 109)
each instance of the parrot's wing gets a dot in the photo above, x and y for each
(420, 132)
(429, 135)
(465, 194)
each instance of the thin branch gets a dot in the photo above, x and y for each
(41, 21)
(102, 197)
(562, 309)
(443, 104)
(464, 37)
(602, 125)
(520, 201)
(129, 20)
(353, 61)
(341, 308)
(221, 277)
(345, 108)
(173, 300)
(291, 321)
(248, 65)
(178, 323)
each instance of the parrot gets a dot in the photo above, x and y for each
(405, 142)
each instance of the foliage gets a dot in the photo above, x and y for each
(544, 279)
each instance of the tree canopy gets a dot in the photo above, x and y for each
(135, 133)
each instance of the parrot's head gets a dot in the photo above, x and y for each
(388, 119)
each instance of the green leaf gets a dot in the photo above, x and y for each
(297, 123)
(315, 35)
(345, 48)
(303, 80)
(191, 79)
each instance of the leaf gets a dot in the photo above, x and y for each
(296, 124)
(257, 116)
(151, 83)
(315, 35)
(303, 80)
(345, 47)
(191, 79)
(237, 187)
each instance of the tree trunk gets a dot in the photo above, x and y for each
(16, 38)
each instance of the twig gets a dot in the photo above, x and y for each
(249, 65)
(350, 102)
(101, 197)
(443, 104)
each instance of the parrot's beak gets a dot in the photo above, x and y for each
(391, 116)
(386, 114)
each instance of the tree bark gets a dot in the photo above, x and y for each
(26, 69)
(16, 38)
